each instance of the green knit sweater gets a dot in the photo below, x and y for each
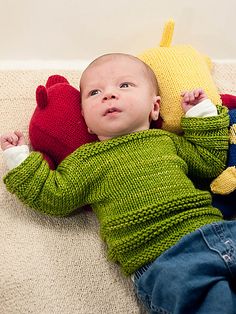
(137, 185)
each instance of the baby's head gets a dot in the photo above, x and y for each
(119, 95)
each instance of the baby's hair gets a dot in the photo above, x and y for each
(151, 75)
(153, 78)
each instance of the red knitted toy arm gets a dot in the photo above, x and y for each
(228, 100)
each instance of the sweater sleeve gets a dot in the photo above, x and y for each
(204, 145)
(54, 192)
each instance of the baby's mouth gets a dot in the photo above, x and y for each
(112, 110)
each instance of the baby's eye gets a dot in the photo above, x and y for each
(125, 85)
(94, 92)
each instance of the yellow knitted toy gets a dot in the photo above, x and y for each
(178, 68)
(225, 183)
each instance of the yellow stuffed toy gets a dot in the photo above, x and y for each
(178, 68)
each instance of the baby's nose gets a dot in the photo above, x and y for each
(109, 97)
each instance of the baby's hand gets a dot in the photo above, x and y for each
(12, 139)
(192, 98)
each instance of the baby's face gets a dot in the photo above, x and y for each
(117, 97)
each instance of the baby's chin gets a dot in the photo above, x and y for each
(111, 135)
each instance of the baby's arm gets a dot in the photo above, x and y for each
(204, 143)
(55, 192)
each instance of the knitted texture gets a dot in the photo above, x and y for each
(225, 183)
(57, 126)
(232, 138)
(137, 186)
(228, 100)
(178, 68)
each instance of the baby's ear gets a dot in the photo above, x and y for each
(41, 97)
(156, 109)
(90, 131)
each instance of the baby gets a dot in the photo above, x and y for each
(158, 226)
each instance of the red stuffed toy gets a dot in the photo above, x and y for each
(57, 126)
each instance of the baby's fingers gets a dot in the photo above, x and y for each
(187, 97)
(198, 92)
(13, 139)
(10, 138)
(20, 136)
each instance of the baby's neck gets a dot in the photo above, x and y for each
(105, 138)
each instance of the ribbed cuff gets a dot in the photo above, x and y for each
(206, 124)
(204, 109)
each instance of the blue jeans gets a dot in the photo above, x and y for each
(197, 275)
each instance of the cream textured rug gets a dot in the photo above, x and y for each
(58, 265)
